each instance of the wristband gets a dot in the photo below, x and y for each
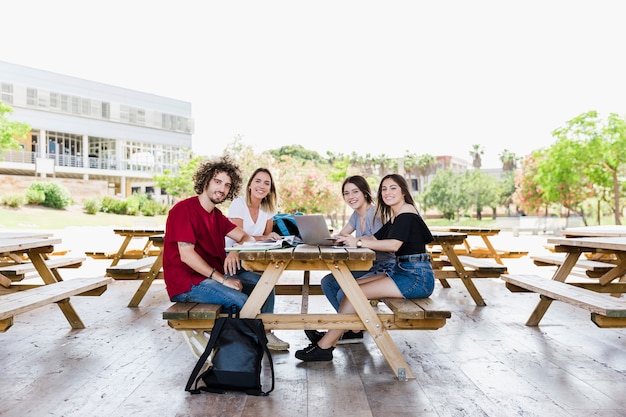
(212, 272)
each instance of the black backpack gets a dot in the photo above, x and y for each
(238, 346)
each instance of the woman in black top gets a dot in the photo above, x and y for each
(404, 233)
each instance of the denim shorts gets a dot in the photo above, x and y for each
(414, 278)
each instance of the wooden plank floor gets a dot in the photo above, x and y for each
(484, 362)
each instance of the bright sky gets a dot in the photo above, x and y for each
(377, 77)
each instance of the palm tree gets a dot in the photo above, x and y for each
(476, 154)
(509, 160)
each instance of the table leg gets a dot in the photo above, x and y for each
(263, 288)
(48, 277)
(491, 249)
(618, 271)
(120, 252)
(147, 281)
(560, 275)
(370, 320)
(460, 270)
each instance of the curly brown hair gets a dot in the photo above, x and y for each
(208, 169)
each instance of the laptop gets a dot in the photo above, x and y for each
(314, 230)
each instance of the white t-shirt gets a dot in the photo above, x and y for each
(239, 210)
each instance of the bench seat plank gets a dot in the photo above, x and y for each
(17, 272)
(132, 270)
(478, 264)
(593, 268)
(419, 308)
(420, 314)
(23, 301)
(597, 303)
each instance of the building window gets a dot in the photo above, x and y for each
(31, 96)
(6, 93)
(106, 111)
(54, 100)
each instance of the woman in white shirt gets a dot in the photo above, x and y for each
(254, 213)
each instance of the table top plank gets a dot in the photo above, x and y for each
(591, 243)
(24, 244)
(595, 231)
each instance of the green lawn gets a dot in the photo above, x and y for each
(37, 217)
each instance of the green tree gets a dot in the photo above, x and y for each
(296, 151)
(179, 184)
(482, 190)
(447, 193)
(9, 130)
(604, 160)
(563, 175)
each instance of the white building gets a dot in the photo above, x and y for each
(86, 130)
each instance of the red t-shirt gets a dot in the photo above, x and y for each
(187, 221)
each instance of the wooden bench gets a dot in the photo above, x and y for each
(478, 267)
(22, 301)
(18, 271)
(129, 254)
(132, 270)
(605, 311)
(422, 314)
(593, 269)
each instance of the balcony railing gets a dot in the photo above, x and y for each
(24, 157)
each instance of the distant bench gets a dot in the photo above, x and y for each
(34, 297)
(593, 269)
(132, 270)
(129, 254)
(17, 272)
(475, 267)
(536, 224)
(406, 314)
(606, 311)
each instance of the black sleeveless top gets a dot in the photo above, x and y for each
(409, 228)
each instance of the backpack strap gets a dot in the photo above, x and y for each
(260, 333)
(217, 328)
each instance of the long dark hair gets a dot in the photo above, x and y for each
(362, 184)
(383, 209)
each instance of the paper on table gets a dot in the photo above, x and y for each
(285, 242)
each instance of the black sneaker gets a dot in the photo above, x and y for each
(314, 353)
(350, 337)
(314, 335)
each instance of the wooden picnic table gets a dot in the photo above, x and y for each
(133, 233)
(340, 261)
(606, 311)
(21, 298)
(484, 233)
(464, 268)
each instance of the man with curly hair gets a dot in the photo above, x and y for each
(194, 259)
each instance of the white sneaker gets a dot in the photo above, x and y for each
(274, 343)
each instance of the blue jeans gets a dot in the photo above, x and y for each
(414, 279)
(335, 294)
(212, 292)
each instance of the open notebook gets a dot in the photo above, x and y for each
(285, 242)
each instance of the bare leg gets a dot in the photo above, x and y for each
(377, 286)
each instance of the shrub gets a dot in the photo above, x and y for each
(152, 208)
(56, 195)
(13, 200)
(35, 195)
(92, 205)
